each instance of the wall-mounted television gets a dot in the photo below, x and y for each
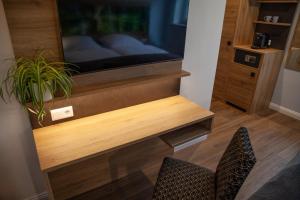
(105, 34)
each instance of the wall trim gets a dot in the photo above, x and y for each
(285, 111)
(41, 196)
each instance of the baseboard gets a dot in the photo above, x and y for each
(41, 196)
(285, 111)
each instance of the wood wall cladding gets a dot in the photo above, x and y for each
(293, 61)
(33, 27)
(111, 98)
(296, 39)
(248, 12)
(84, 82)
(226, 53)
(87, 175)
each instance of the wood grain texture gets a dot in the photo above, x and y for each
(85, 81)
(76, 179)
(126, 82)
(71, 142)
(268, 75)
(293, 59)
(241, 85)
(296, 38)
(237, 84)
(275, 139)
(252, 89)
(33, 27)
(111, 98)
(226, 52)
(248, 12)
(135, 186)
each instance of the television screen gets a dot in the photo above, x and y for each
(106, 34)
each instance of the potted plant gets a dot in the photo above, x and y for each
(34, 81)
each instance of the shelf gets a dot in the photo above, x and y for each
(99, 134)
(187, 136)
(260, 51)
(273, 24)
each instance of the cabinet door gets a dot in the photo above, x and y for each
(241, 85)
(226, 53)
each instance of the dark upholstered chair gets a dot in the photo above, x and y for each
(179, 180)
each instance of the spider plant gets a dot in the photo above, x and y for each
(30, 79)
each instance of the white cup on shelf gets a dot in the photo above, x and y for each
(275, 19)
(268, 18)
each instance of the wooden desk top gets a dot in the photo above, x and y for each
(70, 142)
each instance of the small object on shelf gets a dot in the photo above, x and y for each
(268, 18)
(275, 19)
(261, 41)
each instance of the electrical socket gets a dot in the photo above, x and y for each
(62, 113)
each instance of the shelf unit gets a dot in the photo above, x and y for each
(243, 85)
(278, 32)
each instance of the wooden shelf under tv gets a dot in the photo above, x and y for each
(273, 24)
(124, 83)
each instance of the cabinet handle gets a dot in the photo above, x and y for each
(253, 74)
(229, 43)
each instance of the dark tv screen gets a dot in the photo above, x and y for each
(105, 34)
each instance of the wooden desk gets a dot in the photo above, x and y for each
(63, 147)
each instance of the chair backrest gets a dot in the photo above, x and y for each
(234, 166)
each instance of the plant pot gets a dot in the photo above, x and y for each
(46, 97)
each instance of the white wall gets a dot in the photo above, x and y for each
(202, 48)
(286, 97)
(20, 177)
(287, 92)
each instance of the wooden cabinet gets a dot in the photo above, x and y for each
(241, 85)
(251, 88)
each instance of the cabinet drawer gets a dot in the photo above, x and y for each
(241, 85)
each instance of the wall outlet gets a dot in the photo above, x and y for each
(62, 113)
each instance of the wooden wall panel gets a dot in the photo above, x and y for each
(248, 12)
(296, 39)
(33, 27)
(95, 172)
(293, 60)
(226, 52)
(84, 82)
(111, 98)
